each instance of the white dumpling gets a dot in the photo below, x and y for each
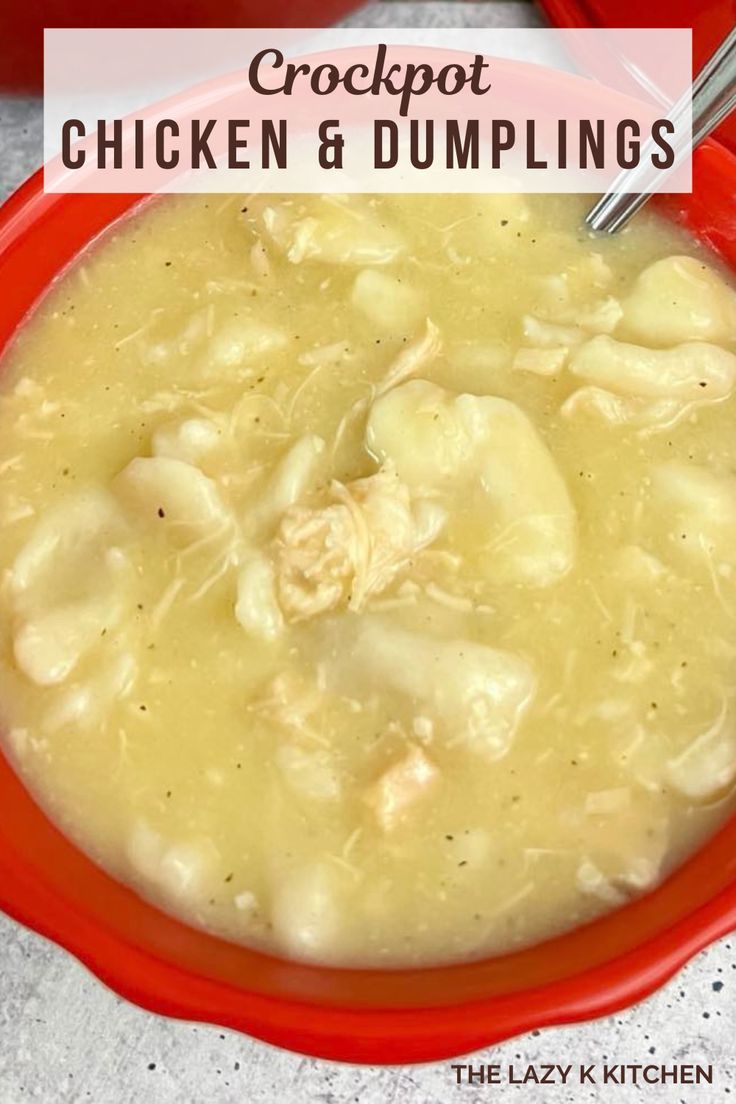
(84, 705)
(295, 474)
(477, 692)
(707, 767)
(694, 371)
(305, 912)
(66, 541)
(698, 508)
(182, 869)
(647, 415)
(418, 428)
(438, 441)
(238, 343)
(174, 495)
(256, 606)
(386, 301)
(192, 440)
(680, 299)
(49, 643)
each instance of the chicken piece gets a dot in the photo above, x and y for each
(603, 317)
(547, 346)
(292, 704)
(256, 605)
(412, 359)
(401, 786)
(680, 299)
(550, 335)
(478, 694)
(174, 495)
(691, 372)
(542, 362)
(353, 548)
(341, 232)
(386, 301)
(309, 772)
(484, 446)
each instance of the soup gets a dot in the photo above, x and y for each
(368, 586)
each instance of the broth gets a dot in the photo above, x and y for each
(368, 565)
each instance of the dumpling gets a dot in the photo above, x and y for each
(386, 301)
(182, 869)
(84, 705)
(698, 508)
(707, 767)
(256, 606)
(65, 586)
(192, 440)
(238, 343)
(680, 299)
(305, 912)
(691, 372)
(66, 541)
(48, 644)
(440, 440)
(174, 495)
(293, 476)
(476, 692)
(647, 415)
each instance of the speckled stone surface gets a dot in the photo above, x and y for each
(64, 1037)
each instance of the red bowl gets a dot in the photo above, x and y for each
(710, 20)
(381, 1016)
(21, 25)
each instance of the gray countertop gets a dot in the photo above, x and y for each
(65, 1037)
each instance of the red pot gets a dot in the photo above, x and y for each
(356, 1015)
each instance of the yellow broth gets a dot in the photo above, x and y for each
(368, 565)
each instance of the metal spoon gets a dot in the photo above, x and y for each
(713, 98)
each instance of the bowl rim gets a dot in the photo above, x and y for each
(356, 1033)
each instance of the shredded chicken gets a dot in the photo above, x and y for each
(352, 548)
(412, 359)
(401, 786)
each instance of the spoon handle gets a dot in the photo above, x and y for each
(713, 98)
